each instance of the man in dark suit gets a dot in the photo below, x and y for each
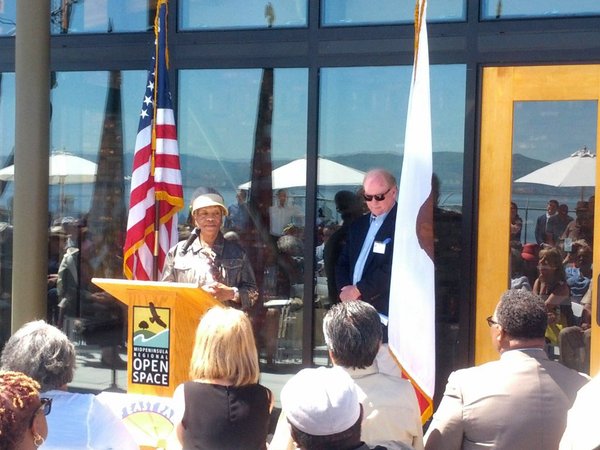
(517, 402)
(541, 235)
(363, 270)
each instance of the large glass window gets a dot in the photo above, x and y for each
(208, 14)
(552, 218)
(78, 16)
(511, 9)
(362, 119)
(243, 132)
(363, 12)
(7, 146)
(93, 129)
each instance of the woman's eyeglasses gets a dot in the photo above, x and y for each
(378, 197)
(491, 321)
(46, 407)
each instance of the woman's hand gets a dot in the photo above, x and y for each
(221, 291)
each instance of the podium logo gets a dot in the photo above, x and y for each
(150, 362)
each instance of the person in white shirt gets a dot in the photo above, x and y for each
(282, 214)
(78, 421)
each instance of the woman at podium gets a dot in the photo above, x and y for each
(219, 266)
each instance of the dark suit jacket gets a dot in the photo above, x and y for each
(540, 229)
(374, 285)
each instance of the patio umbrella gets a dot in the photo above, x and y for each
(64, 169)
(329, 173)
(578, 170)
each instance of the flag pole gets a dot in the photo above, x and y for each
(156, 186)
(153, 160)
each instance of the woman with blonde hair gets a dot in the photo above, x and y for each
(223, 406)
(23, 412)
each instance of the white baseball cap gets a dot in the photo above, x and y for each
(321, 402)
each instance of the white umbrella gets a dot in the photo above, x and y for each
(578, 170)
(64, 169)
(329, 173)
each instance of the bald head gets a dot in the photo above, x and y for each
(380, 191)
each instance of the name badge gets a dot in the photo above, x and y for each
(379, 247)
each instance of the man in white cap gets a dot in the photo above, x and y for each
(322, 408)
(219, 266)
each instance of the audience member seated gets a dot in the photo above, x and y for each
(579, 270)
(518, 279)
(551, 285)
(582, 432)
(583, 225)
(23, 412)
(529, 254)
(323, 410)
(223, 406)
(77, 421)
(516, 223)
(574, 342)
(517, 402)
(390, 410)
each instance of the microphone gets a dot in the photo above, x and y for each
(192, 238)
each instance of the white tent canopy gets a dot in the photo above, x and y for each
(64, 169)
(329, 173)
(578, 170)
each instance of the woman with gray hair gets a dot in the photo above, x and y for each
(78, 421)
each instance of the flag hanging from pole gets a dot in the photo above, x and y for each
(412, 290)
(156, 188)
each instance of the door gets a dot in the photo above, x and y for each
(532, 117)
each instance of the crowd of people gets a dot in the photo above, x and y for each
(524, 400)
(558, 267)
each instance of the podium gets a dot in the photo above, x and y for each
(162, 322)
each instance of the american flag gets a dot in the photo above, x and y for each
(156, 188)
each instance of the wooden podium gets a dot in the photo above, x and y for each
(162, 322)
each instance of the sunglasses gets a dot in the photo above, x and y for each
(46, 407)
(378, 197)
(490, 321)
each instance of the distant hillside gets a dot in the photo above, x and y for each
(448, 166)
(522, 165)
(198, 171)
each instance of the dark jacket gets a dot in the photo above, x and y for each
(374, 285)
(228, 264)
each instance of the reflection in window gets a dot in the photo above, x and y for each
(362, 119)
(554, 172)
(511, 9)
(207, 14)
(93, 124)
(97, 16)
(101, 16)
(362, 12)
(7, 146)
(243, 132)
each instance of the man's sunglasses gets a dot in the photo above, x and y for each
(378, 197)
